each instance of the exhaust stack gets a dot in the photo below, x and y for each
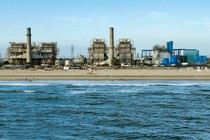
(111, 46)
(28, 61)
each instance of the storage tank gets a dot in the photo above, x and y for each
(165, 62)
(78, 61)
(170, 46)
(67, 63)
(173, 60)
(155, 56)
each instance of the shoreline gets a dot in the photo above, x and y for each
(106, 74)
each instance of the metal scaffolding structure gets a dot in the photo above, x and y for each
(43, 53)
(97, 51)
(49, 52)
(17, 52)
(125, 52)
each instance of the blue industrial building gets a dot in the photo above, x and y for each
(175, 57)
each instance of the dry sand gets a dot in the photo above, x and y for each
(106, 74)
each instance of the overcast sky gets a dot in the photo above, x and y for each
(77, 22)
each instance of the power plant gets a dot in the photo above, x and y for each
(121, 54)
(168, 56)
(31, 54)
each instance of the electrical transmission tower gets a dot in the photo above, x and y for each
(72, 52)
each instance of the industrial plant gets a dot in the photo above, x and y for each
(122, 55)
(100, 54)
(31, 54)
(168, 56)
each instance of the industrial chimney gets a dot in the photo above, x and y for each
(111, 46)
(28, 61)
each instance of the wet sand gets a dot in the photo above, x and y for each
(106, 74)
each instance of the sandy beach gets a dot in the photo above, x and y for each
(106, 74)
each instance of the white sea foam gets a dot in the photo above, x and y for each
(75, 93)
(173, 84)
(139, 85)
(104, 83)
(128, 90)
(135, 83)
(29, 91)
(23, 84)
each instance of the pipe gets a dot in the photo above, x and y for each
(28, 60)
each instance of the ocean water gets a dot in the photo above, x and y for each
(147, 110)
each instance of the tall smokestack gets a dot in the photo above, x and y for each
(28, 61)
(111, 45)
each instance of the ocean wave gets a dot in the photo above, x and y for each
(135, 85)
(18, 91)
(75, 84)
(158, 93)
(44, 98)
(29, 91)
(107, 109)
(24, 84)
(11, 91)
(205, 90)
(175, 84)
(76, 92)
(3, 106)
